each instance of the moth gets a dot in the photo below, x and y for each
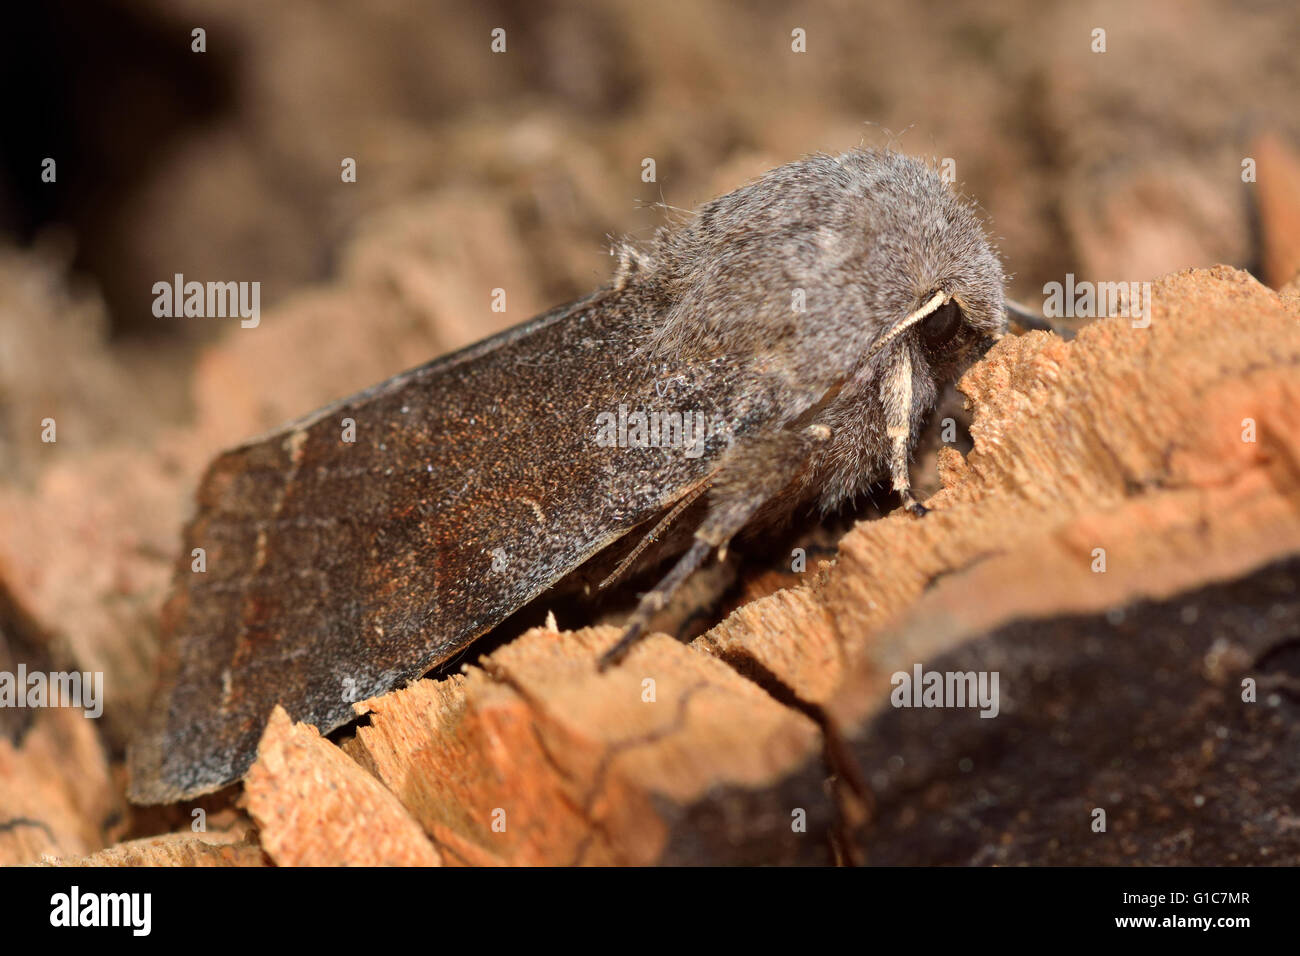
(776, 351)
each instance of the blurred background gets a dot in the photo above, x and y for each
(478, 170)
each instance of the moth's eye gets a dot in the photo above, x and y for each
(941, 326)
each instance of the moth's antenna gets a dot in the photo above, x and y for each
(938, 299)
(1027, 318)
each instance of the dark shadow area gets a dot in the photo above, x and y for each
(105, 90)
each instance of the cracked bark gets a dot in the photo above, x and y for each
(771, 738)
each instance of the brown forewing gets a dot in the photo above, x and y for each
(336, 571)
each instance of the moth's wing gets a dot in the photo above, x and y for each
(336, 570)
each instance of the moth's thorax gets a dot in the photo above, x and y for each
(816, 259)
(807, 270)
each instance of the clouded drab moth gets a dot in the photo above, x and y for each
(776, 351)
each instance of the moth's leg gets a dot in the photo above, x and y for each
(745, 482)
(654, 601)
(896, 393)
(653, 535)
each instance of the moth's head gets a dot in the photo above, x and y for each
(939, 283)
